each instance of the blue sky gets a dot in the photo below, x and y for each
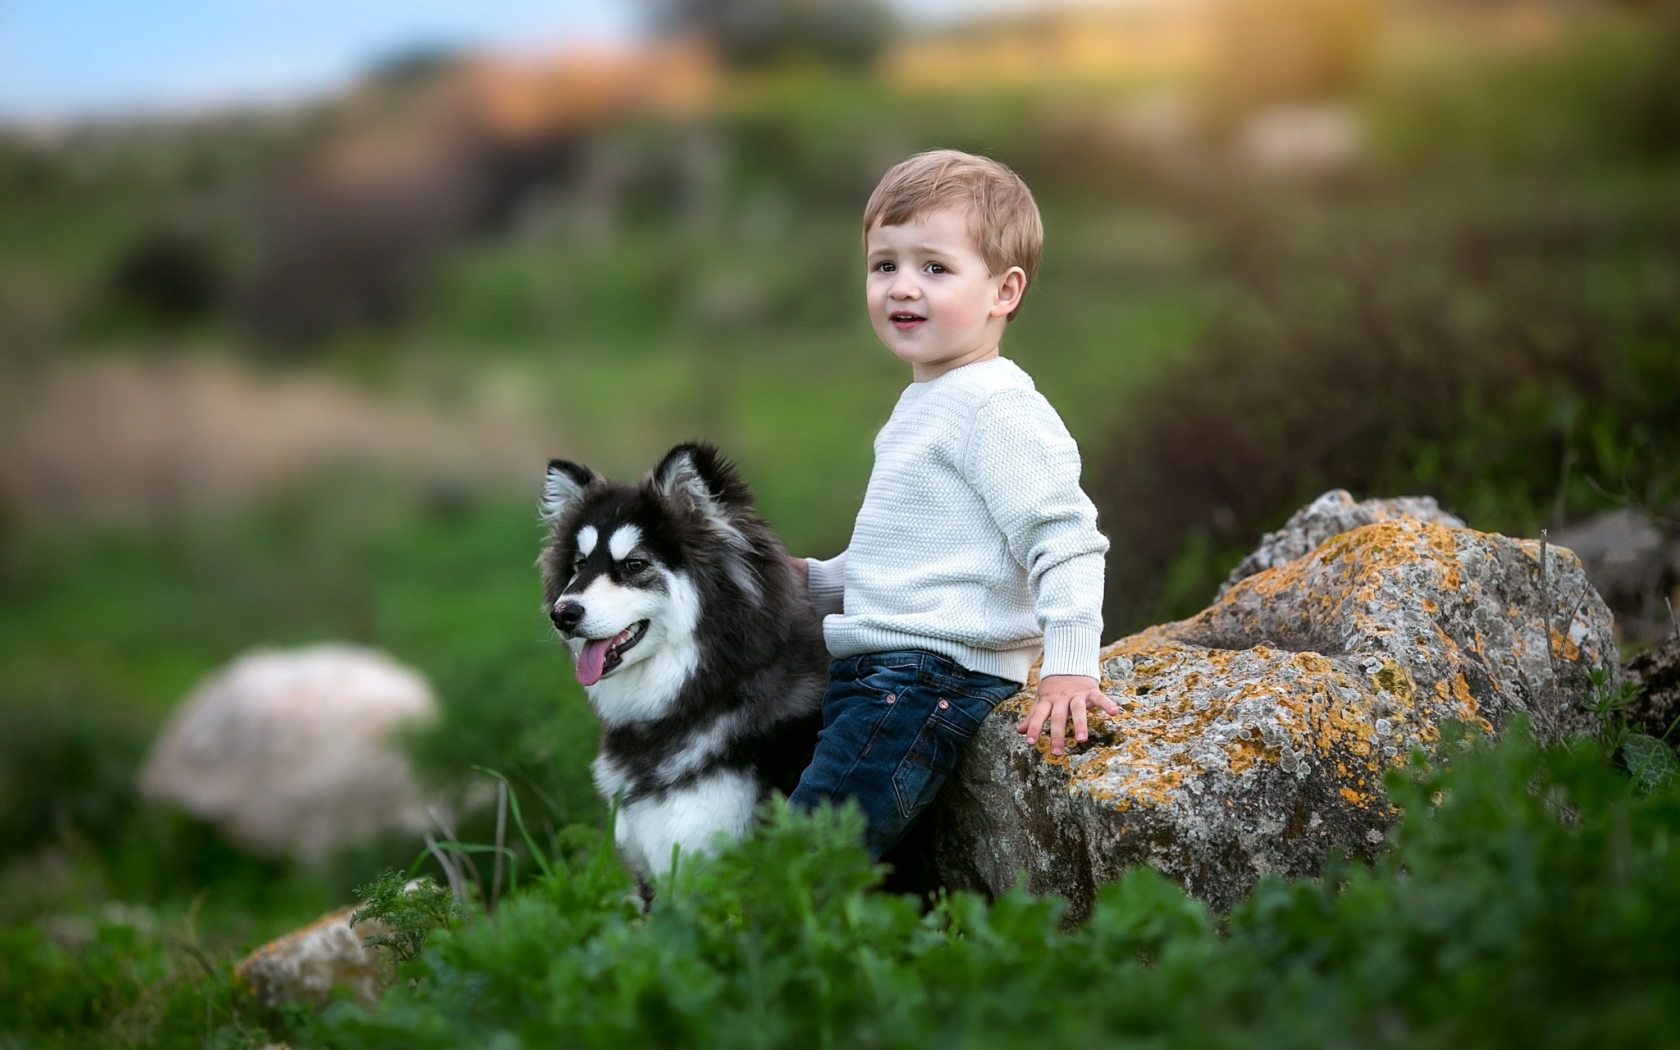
(69, 58)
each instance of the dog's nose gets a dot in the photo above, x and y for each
(566, 616)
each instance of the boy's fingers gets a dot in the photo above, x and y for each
(1058, 711)
(1033, 724)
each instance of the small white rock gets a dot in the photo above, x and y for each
(289, 752)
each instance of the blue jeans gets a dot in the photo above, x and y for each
(893, 726)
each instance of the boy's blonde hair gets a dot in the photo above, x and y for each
(1002, 217)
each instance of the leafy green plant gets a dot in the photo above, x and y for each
(410, 909)
(1524, 902)
(1649, 760)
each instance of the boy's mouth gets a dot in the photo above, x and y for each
(903, 320)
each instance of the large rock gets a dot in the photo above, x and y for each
(290, 753)
(305, 965)
(1254, 736)
(1329, 515)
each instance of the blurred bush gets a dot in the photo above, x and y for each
(1606, 93)
(1288, 53)
(1481, 371)
(1486, 316)
(66, 771)
(166, 278)
(760, 32)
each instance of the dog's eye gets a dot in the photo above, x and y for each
(577, 563)
(634, 565)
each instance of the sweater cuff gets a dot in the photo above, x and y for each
(827, 584)
(1072, 649)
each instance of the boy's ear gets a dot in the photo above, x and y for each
(697, 474)
(1011, 288)
(562, 488)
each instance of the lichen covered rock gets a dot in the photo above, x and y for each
(1253, 737)
(307, 964)
(1329, 515)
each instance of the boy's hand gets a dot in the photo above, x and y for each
(1059, 696)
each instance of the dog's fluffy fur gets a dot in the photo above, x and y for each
(695, 641)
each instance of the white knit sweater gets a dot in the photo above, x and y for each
(974, 539)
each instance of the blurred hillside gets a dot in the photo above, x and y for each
(607, 251)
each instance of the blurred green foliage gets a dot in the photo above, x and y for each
(1524, 902)
(756, 32)
(1515, 355)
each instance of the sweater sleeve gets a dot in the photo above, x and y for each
(1025, 466)
(827, 584)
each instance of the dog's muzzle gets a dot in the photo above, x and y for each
(566, 616)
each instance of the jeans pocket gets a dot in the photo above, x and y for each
(933, 755)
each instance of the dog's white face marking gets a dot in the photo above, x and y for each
(624, 540)
(689, 818)
(587, 537)
(646, 684)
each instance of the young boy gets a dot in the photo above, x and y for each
(975, 546)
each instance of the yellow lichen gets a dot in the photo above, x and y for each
(1182, 691)
(1564, 646)
(1392, 679)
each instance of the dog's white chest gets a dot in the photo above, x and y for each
(688, 818)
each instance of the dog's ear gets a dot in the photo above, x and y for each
(562, 488)
(698, 474)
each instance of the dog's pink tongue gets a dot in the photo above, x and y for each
(589, 661)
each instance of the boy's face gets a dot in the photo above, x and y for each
(931, 299)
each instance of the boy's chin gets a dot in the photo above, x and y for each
(914, 347)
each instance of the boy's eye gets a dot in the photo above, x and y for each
(935, 267)
(634, 565)
(884, 267)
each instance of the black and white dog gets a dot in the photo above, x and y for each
(695, 641)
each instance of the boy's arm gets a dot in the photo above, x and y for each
(1025, 465)
(825, 581)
